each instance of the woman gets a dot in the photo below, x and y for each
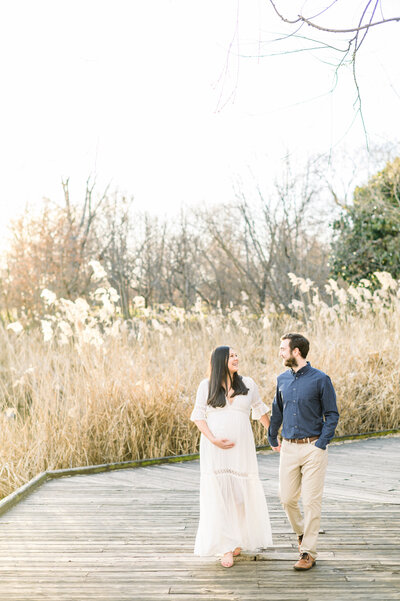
(233, 510)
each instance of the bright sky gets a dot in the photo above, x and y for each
(160, 99)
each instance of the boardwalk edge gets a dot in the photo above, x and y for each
(22, 492)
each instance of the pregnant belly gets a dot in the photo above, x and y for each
(240, 460)
(230, 424)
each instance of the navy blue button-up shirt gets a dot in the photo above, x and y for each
(305, 402)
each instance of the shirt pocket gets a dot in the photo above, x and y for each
(309, 399)
(287, 396)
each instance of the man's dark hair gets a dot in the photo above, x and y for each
(297, 341)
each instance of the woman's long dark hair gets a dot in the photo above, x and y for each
(219, 375)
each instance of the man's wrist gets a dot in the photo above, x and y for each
(273, 441)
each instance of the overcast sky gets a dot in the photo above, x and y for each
(172, 101)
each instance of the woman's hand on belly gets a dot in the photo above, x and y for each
(223, 443)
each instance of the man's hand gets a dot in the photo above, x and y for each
(277, 449)
(223, 443)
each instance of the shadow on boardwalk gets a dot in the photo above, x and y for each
(129, 534)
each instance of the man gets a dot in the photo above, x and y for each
(305, 403)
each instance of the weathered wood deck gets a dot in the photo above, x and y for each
(129, 534)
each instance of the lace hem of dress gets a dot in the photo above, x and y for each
(231, 472)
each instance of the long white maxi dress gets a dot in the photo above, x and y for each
(233, 509)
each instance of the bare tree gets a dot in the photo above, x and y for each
(116, 243)
(80, 240)
(185, 264)
(265, 240)
(51, 249)
(148, 275)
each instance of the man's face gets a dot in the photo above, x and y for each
(287, 356)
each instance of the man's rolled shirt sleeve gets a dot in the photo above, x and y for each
(329, 411)
(276, 419)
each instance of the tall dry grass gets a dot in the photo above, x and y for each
(90, 389)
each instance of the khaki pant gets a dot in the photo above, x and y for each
(302, 471)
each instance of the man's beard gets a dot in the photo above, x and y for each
(291, 362)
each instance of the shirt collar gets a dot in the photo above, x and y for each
(303, 370)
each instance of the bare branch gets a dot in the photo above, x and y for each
(301, 19)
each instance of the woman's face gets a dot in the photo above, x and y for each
(233, 361)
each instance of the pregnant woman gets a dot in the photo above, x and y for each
(233, 509)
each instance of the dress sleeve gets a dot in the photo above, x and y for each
(199, 410)
(258, 408)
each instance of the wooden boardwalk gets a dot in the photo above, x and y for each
(129, 534)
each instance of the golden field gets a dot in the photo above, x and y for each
(87, 388)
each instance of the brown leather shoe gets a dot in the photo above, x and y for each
(305, 562)
(299, 541)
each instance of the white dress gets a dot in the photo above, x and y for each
(233, 509)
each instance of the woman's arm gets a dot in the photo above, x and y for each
(222, 443)
(259, 410)
(264, 420)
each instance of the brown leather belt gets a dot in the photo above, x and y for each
(302, 440)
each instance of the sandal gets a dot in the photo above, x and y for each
(237, 551)
(227, 560)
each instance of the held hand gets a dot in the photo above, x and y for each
(223, 443)
(277, 449)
